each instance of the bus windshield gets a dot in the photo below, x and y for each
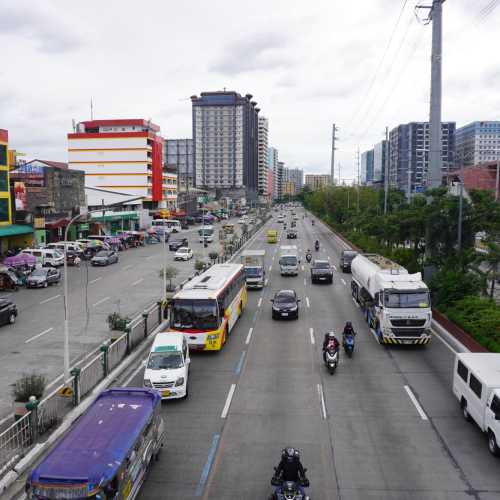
(195, 314)
(407, 299)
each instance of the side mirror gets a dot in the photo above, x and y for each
(298, 300)
(144, 363)
(271, 300)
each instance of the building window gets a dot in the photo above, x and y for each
(3, 181)
(3, 154)
(4, 209)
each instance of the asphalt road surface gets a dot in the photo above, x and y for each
(385, 426)
(35, 342)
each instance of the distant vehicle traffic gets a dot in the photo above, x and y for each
(206, 233)
(253, 260)
(346, 258)
(106, 453)
(208, 306)
(291, 234)
(396, 304)
(285, 305)
(184, 253)
(476, 385)
(43, 277)
(175, 244)
(321, 270)
(167, 225)
(45, 256)
(8, 312)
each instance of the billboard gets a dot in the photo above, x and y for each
(32, 174)
(20, 196)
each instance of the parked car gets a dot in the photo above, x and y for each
(321, 270)
(346, 257)
(285, 305)
(184, 253)
(43, 277)
(176, 243)
(104, 258)
(46, 256)
(8, 312)
(184, 224)
(199, 219)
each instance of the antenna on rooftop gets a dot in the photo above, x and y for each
(91, 109)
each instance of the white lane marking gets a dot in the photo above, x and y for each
(322, 399)
(260, 302)
(128, 267)
(311, 333)
(273, 258)
(138, 281)
(134, 374)
(50, 298)
(307, 302)
(95, 280)
(100, 301)
(305, 282)
(266, 282)
(270, 267)
(343, 281)
(334, 267)
(249, 336)
(415, 402)
(374, 333)
(39, 335)
(229, 398)
(302, 267)
(328, 257)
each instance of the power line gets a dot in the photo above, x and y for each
(486, 11)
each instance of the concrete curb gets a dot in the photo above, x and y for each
(26, 462)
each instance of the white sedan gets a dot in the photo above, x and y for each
(184, 253)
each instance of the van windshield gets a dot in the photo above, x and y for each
(165, 360)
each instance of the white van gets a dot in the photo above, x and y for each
(206, 233)
(46, 256)
(71, 246)
(476, 385)
(167, 366)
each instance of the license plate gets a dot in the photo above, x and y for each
(284, 314)
(165, 394)
(407, 341)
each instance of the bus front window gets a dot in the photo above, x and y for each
(195, 314)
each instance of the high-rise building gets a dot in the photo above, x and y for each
(124, 156)
(380, 159)
(409, 154)
(295, 175)
(272, 158)
(179, 154)
(288, 189)
(262, 156)
(477, 142)
(225, 137)
(366, 171)
(317, 181)
(279, 179)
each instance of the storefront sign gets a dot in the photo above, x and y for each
(20, 196)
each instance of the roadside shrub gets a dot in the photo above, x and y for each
(27, 386)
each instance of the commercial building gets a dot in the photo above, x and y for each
(317, 181)
(289, 189)
(295, 175)
(125, 156)
(279, 179)
(409, 154)
(477, 142)
(366, 171)
(179, 154)
(50, 195)
(272, 158)
(483, 176)
(270, 184)
(225, 137)
(380, 159)
(262, 154)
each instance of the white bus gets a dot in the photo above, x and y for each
(168, 225)
(208, 306)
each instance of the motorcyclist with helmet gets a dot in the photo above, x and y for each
(308, 256)
(316, 245)
(290, 468)
(348, 331)
(329, 342)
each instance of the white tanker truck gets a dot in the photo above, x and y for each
(396, 304)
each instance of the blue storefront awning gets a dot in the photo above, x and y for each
(15, 230)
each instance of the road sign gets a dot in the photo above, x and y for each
(66, 392)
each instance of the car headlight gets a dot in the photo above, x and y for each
(294, 308)
(276, 308)
(147, 383)
(179, 381)
(211, 337)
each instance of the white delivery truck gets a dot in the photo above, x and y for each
(253, 261)
(396, 304)
(476, 385)
(289, 260)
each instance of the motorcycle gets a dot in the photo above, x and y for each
(308, 258)
(316, 246)
(312, 223)
(289, 490)
(349, 345)
(331, 360)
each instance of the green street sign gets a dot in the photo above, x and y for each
(84, 227)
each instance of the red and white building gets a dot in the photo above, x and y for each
(125, 156)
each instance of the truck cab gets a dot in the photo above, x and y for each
(253, 262)
(289, 260)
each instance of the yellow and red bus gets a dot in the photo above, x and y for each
(208, 306)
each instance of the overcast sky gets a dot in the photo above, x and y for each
(307, 64)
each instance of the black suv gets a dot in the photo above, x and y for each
(291, 234)
(285, 305)
(321, 271)
(177, 243)
(346, 258)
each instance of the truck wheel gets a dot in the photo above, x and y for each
(492, 444)
(465, 412)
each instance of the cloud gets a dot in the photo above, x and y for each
(258, 52)
(38, 21)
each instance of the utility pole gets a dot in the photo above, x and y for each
(332, 166)
(434, 174)
(386, 168)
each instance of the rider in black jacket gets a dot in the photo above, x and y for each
(290, 468)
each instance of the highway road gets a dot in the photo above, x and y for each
(385, 426)
(35, 342)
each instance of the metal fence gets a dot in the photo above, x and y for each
(136, 329)
(117, 351)
(15, 442)
(52, 409)
(92, 373)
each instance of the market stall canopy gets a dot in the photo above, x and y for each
(20, 259)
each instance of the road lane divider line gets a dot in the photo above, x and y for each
(322, 401)
(266, 282)
(311, 333)
(343, 281)
(95, 280)
(50, 298)
(130, 266)
(134, 373)
(270, 267)
(99, 302)
(307, 302)
(305, 282)
(140, 280)
(249, 336)
(260, 302)
(415, 402)
(39, 335)
(334, 267)
(208, 465)
(240, 363)
(227, 404)
(437, 335)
